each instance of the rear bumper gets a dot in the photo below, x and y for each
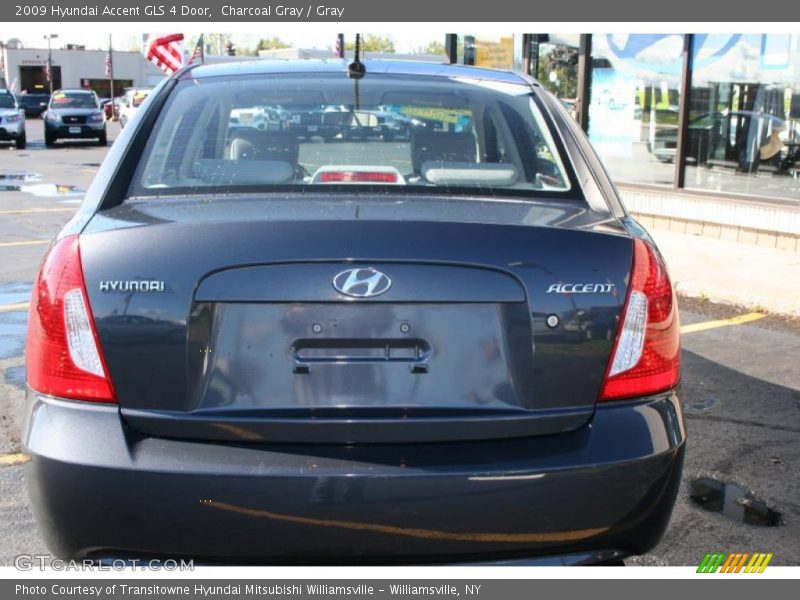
(607, 490)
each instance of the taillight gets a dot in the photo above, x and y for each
(63, 355)
(646, 355)
(357, 177)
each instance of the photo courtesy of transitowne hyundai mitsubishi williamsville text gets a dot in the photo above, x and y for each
(311, 589)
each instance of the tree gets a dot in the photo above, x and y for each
(214, 43)
(272, 43)
(432, 47)
(563, 61)
(372, 43)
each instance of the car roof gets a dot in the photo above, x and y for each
(74, 91)
(394, 67)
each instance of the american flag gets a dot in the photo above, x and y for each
(198, 52)
(108, 65)
(338, 50)
(48, 71)
(166, 51)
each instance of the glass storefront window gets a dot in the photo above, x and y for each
(556, 67)
(635, 96)
(496, 52)
(744, 118)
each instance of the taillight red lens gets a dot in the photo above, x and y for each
(646, 355)
(357, 177)
(63, 355)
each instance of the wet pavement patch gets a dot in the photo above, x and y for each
(18, 177)
(13, 324)
(733, 501)
(43, 190)
(14, 293)
(15, 376)
(13, 328)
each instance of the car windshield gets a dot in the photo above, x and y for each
(73, 100)
(383, 131)
(7, 101)
(139, 97)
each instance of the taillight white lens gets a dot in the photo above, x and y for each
(80, 337)
(646, 355)
(631, 338)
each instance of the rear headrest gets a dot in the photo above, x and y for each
(442, 146)
(251, 144)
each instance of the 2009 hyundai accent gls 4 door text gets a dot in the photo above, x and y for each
(260, 345)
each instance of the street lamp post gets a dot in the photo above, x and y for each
(48, 37)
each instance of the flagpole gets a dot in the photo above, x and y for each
(111, 75)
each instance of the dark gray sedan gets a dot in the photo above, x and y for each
(248, 347)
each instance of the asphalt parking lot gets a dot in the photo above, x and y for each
(741, 385)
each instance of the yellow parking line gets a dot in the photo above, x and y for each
(36, 210)
(18, 458)
(748, 318)
(25, 243)
(13, 307)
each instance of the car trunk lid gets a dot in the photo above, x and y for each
(240, 333)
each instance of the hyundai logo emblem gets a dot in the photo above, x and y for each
(362, 283)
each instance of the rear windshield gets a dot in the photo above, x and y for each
(73, 100)
(390, 132)
(33, 99)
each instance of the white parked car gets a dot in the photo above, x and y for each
(264, 118)
(130, 102)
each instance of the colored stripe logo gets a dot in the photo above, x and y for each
(738, 562)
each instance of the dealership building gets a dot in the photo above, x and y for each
(24, 69)
(700, 132)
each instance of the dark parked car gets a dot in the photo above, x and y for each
(107, 104)
(12, 120)
(722, 138)
(33, 104)
(74, 114)
(307, 122)
(248, 348)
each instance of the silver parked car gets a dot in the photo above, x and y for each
(12, 120)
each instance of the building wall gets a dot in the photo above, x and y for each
(77, 65)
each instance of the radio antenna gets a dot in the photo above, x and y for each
(356, 69)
